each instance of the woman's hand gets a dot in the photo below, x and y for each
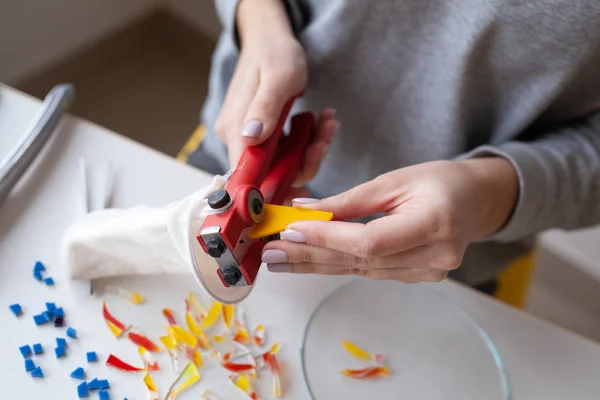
(432, 212)
(270, 71)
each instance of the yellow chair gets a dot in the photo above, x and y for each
(513, 283)
(191, 144)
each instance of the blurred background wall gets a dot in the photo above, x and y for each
(140, 66)
(34, 34)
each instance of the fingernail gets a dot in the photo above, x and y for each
(293, 236)
(283, 267)
(253, 129)
(305, 200)
(275, 256)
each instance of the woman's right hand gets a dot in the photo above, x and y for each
(271, 70)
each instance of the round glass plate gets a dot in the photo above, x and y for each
(434, 349)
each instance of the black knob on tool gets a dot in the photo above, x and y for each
(232, 275)
(215, 247)
(218, 199)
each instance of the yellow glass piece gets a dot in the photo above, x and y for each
(228, 311)
(169, 342)
(277, 392)
(132, 297)
(196, 306)
(275, 348)
(241, 336)
(183, 336)
(152, 391)
(366, 373)
(259, 335)
(197, 359)
(213, 315)
(114, 329)
(277, 218)
(356, 351)
(188, 377)
(149, 361)
(204, 342)
(135, 298)
(242, 382)
(219, 339)
(192, 325)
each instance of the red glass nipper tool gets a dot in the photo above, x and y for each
(245, 213)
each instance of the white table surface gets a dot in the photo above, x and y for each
(580, 248)
(543, 361)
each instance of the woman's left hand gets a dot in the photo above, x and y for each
(432, 211)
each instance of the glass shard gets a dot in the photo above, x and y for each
(141, 340)
(115, 326)
(188, 377)
(115, 362)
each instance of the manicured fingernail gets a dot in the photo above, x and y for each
(283, 267)
(275, 256)
(253, 129)
(293, 236)
(305, 200)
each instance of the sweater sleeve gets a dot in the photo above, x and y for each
(226, 10)
(559, 180)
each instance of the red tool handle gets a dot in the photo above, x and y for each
(277, 185)
(256, 172)
(255, 161)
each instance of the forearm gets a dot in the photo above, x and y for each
(258, 20)
(497, 191)
(559, 180)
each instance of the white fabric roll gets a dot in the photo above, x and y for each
(138, 240)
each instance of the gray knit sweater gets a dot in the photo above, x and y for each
(420, 80)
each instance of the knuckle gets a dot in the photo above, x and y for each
(366, 248)
(305, 268)
(408, 279)
(453, 261)
(319, 237)
(357, 271)
(221, 127)
(348, 259)
(436, 276)
(377, 275)
(303, 254)
(263, 106)
(288, 74)
(443, 223)
(447, 259)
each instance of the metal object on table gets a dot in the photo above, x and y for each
(58, 100)
(86, 192)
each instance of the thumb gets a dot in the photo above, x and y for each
(361, 201)
(264, 112)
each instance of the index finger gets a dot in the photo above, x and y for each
(382, 237)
